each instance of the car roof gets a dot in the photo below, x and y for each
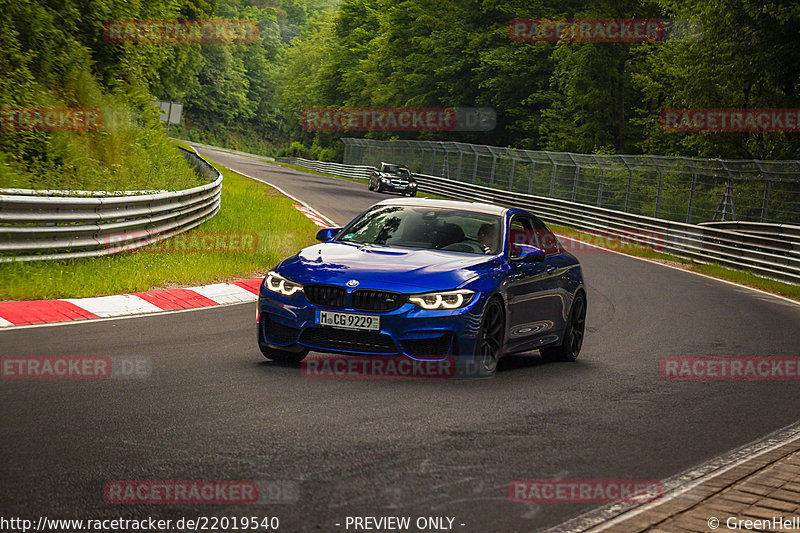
(451, 204)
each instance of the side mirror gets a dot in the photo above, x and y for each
(525, 253)
(326, 234)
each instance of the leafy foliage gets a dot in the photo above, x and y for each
(584, 97)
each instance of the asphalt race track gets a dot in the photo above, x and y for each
(214, 408)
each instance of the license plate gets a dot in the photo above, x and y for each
(349, 320)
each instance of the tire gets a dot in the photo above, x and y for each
(371, 187)
(413, 193)
(571, 345)
(491, 337)
(282, 356)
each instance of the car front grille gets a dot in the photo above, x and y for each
(326, 295)
(369, 300)
(348, 340)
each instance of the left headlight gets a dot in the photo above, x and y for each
(443, 300)
(277, 283)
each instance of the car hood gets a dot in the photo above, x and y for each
(384, 267)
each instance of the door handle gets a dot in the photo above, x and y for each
(551, 269)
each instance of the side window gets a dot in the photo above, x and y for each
(519, 232)
(547, 241)
(526, 230)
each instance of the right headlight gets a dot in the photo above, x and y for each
(277, 283)
(442, 300)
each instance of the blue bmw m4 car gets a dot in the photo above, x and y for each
(427, 279)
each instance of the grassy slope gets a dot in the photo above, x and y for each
(129, 152)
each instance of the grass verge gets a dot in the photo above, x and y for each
(748, 278)
(247, 207)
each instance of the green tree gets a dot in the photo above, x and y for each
(748, 57)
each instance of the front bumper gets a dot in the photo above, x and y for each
(398, 187)
(289, 323)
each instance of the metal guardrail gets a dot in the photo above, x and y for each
(768, 256)
(785, 232)
(38, 225)
(337, 169)
(682, 189)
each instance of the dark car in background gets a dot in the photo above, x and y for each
(394, 178)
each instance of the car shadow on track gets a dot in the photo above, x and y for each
(517, 361)
(508, 367)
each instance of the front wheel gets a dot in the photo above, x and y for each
(412, 193)
(491, 336)
(573, 335)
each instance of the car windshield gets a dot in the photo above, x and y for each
(427, 227)
(395, 169)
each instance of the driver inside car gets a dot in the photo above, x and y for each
(486, 236)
